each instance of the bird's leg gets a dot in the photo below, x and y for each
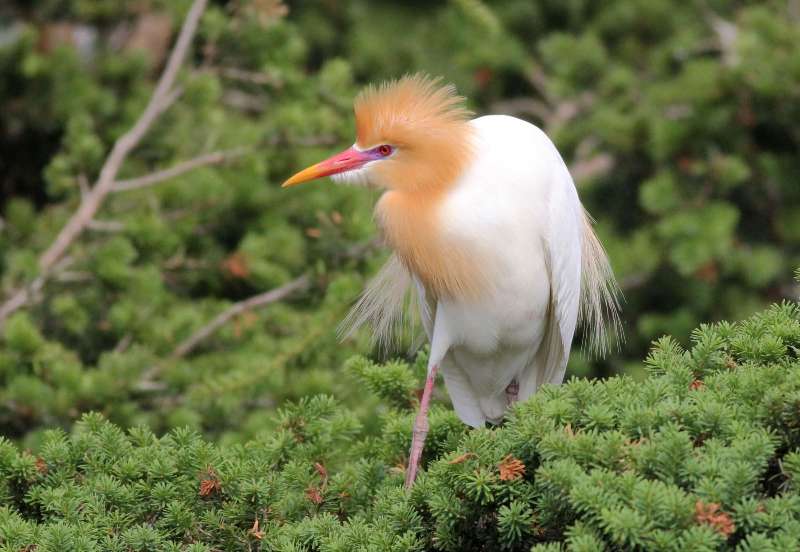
(420, 429)
(512, 392)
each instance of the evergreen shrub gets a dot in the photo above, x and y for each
(679, 120)
(704, 454)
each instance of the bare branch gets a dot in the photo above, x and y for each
(257, 301)
(587, 169)
(123, 344)
(28, 294)
(170, 99)
(105, 225)
(83, 185)
(127, 142)
(19, 298)
(727, 34)
(248, 103)
(253, 77)
(567, 110)
(73, 276)
(213, 158)
(147, 381)
(538, 80)
(163, 95)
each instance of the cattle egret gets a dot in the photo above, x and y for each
(488, 232)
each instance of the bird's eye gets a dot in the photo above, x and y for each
(385, 149)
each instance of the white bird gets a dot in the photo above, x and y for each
(488, 231)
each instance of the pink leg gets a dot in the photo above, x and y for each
(420, 429)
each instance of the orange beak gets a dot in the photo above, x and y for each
(347, 160)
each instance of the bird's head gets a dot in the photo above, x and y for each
(411, 134)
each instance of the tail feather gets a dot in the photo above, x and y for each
(600, 296)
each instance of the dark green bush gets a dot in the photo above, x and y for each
(679, 120)
(704, 454)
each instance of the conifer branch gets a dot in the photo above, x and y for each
(163, 96)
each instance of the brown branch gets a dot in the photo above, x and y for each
(123, 344)
(254, 302)
(164, 94)
(105, 225)
(147, 383)
(587, 169)
(29, 293)
(248, 103)
(253, 77)
(213, 158)
(726, 34)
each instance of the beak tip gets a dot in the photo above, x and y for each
(346, 160)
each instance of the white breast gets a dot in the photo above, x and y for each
(501, 206)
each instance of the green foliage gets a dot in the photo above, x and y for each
(698, 206)
(162, 261)
(704, 454)
(690, 107)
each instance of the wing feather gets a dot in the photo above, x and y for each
(563, 255)
(582, 284)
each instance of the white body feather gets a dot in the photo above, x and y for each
(518, 203)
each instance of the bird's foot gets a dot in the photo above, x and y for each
(420, 429)
(512, 392)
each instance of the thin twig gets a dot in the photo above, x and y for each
(159, 101)
(164, 94)
(123, 344)
(105, 225)
(83, 185)
(213, 158)
(29, 293)
(593, 167)
(257, 301)
(73, 276)
(147, 381)
(253, 77)
(248, 103)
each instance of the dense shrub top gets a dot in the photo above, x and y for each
(701, 455)
(679, 123)
(678, 120)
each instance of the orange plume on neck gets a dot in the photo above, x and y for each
(429, 126)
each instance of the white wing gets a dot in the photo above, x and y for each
(563, 256)
(582, 283)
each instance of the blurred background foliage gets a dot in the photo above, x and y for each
(678, 120)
